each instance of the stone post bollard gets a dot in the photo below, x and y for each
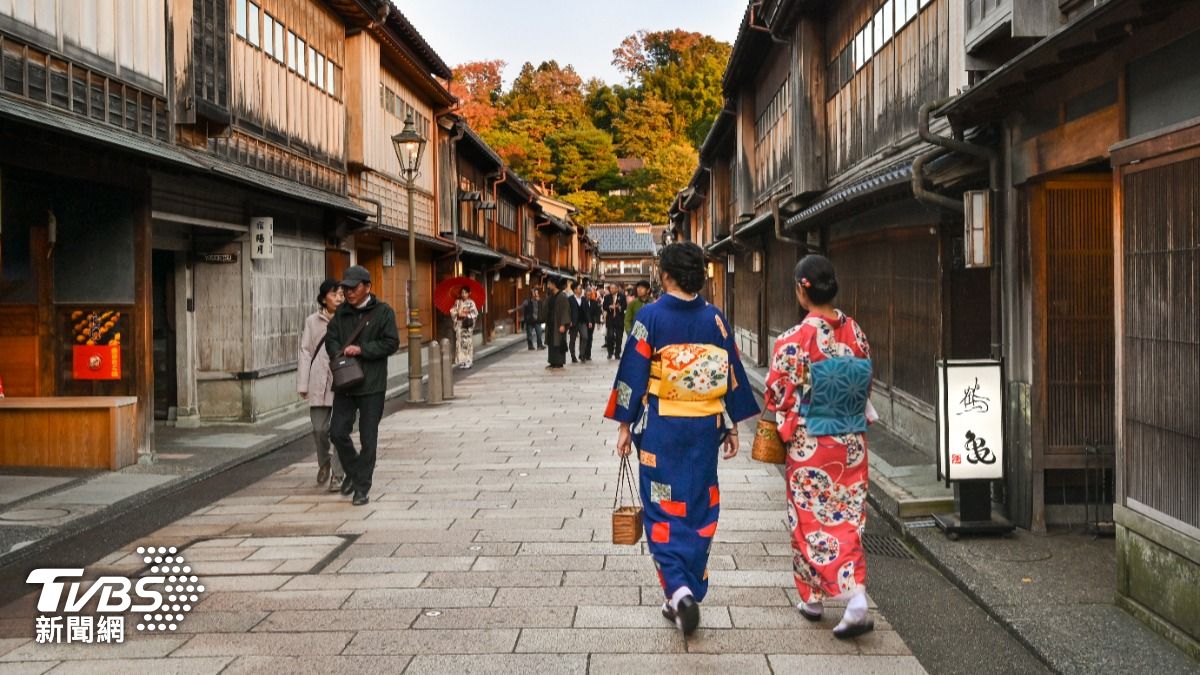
(447, 371)
(435, 373)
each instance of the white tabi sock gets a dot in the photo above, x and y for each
(680, 593)
(857, 609)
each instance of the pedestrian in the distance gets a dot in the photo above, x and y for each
(641, 299)
(558, 322)
(315, 382)
(682, 373)
(532, 316)
(613, 308)
(593, 317)
(578, 330)
(464, 313)
(377, 339)
(817, 387)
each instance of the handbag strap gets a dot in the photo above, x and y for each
(362, 323)
(625, 476)
(317, 351)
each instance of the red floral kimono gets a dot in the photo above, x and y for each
(826, 475)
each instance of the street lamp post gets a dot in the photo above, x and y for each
(410, 146)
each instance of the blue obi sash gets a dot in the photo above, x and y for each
(837, 401)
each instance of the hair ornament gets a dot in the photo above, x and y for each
(805, 282)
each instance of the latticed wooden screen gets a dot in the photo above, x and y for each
(1161, 329)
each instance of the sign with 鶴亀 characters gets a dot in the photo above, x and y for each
(262, 238)
(970, 420)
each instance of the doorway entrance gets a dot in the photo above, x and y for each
(1074, 335)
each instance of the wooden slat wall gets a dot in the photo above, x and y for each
(276, 100)
(888, 282)
(284, 291)
(783, 308)
(218, 293)
(128, 37)
(1161, 328)
(878, 106)
(1080, 386)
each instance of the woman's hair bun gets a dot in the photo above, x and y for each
(685, 263)
(815, 273)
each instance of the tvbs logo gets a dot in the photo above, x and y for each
(162, 597)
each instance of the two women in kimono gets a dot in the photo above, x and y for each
(817, 388)
(679, 378)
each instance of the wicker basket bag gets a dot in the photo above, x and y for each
(768, 446)
(626, 518)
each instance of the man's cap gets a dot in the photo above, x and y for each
(355, 275)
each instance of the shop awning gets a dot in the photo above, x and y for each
(479, 250)
(559, 224)
(838, 200)
(716, 246)
(427, 240)
(106, 134)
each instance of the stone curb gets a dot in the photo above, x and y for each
(144, 497)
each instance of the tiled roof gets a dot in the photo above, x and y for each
(622, 240)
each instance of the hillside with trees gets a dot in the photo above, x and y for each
(566, 135)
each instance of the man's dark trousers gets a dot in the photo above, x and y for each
(368, 408)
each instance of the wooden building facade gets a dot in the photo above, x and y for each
(1098, 130)
(814, 152)
(177, 178)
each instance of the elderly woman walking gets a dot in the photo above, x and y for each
(681, 374)
(314, 381)
(818, 386)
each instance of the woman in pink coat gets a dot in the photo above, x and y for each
(314, 381)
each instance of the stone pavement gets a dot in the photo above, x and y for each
(42, 506)
(485, 548)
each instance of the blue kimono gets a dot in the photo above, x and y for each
(681, 370)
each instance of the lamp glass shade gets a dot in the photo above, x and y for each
(410, 146)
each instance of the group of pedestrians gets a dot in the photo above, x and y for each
(573, 313)
(679, 393)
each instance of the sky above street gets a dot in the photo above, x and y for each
(582, 33)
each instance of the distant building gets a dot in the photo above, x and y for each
(626, 251)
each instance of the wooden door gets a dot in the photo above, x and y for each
(1074, 296)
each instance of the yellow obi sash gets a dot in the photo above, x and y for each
(690, 380)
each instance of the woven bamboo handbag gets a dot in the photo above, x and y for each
(768, 446)
(626, 518)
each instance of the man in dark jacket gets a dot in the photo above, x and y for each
(590, 309)
(378, 339)
(558, 322)
(613, 308)
(533, 315)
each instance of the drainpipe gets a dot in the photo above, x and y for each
(803, 245)
(455, 220)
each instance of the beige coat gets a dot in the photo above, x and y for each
(314, 382)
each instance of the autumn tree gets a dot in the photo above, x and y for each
(478, 85)
(680, 68)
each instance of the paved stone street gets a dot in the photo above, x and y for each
(485, 548)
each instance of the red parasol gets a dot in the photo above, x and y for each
(448, 290)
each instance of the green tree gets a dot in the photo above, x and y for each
(581, 154)
(682, 69)
(643, 127)
(592, 207)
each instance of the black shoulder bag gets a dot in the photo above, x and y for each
(347, 370)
